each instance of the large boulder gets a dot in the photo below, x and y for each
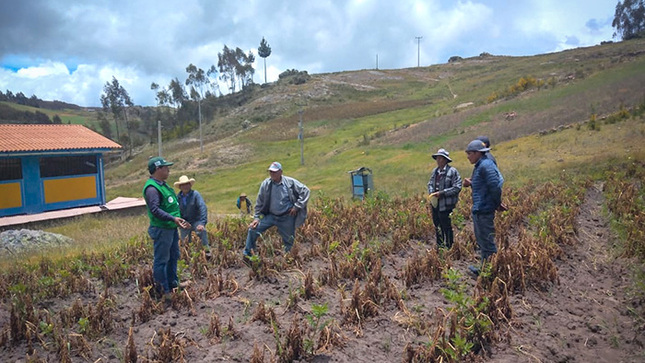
(14, 242)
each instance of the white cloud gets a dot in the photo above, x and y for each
(70, 49)
(47, 69)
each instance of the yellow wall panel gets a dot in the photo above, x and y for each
(63, 190)
(10, 195)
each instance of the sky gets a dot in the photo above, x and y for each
(67, 50)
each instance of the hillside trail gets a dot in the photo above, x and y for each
(586, 318)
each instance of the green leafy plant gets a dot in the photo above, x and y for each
(84, 325)
(45, 328)
(316, 325)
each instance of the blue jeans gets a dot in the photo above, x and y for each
(286, 227)
(166, 252)
(484, 225)
(203, 235)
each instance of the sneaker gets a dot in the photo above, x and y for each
(474, 270)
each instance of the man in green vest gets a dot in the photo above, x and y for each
(164, 214)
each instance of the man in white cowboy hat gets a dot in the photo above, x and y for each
(164, 214)
(193, 209)
(444, 187)
(281, 202)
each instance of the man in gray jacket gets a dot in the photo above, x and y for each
(281, 202)
(444, 186)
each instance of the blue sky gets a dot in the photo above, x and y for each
(68, 49)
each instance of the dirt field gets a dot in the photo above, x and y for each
(219, 317)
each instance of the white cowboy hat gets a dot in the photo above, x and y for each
(184, 180)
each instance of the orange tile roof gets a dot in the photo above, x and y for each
(16, 138)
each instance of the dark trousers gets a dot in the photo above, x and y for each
(443, 227)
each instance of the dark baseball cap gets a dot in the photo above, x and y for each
(157, 162)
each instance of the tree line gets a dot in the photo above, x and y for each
(182, 104)
(33, 101)
(9, 114)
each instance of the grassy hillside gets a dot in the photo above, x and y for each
(76, 117)
(391, 121)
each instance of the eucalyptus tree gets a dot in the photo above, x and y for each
(161, 94)
(244, 67)
(226, 65)
(264, 51)
(198, 80)
(235, 66)
(629, 19)
(116, 100)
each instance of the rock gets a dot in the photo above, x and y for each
(13, 242)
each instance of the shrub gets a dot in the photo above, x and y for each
(293, 76)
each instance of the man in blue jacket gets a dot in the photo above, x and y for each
(486, 183)
(281, 202)
(193, 209)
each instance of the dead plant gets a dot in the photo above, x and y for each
(169, 348)
(130, 352)
(292, 347)
(264, 314)
(214, 332)
(258, 354)
(309, 290)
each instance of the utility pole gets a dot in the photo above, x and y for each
(418, 51)
(377, 61)
(301, 136)
(159, 136)
(201, 140)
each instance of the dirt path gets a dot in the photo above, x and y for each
(586, 317)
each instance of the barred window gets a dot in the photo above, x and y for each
(67, 165)
(10, 169)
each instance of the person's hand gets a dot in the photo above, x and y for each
(293, 211)
(467, 182)
(199, 228)
(182, 223)
(435, 194)
(254, 223)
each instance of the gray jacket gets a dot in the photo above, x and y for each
(449, 187)
(298, 194)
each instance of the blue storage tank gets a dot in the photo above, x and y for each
(362, 182)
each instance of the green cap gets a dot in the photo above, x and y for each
(157, 162)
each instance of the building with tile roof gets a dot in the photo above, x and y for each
(50, 167)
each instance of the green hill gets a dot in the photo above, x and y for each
(391, 121)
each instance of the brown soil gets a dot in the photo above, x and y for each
(585, 318)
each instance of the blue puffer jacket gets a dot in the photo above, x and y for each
(193, 209)
(487, 184)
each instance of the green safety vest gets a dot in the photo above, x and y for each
(168, 204)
